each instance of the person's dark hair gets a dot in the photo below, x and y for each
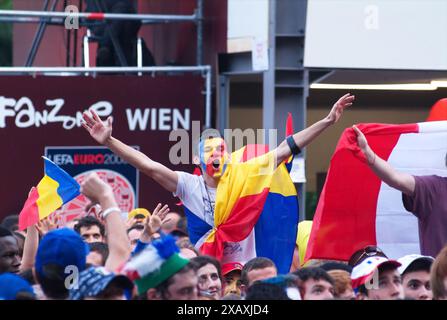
(11, 222)
(265, 291)
(28, 275)
(88, 222)
(253, 264)
(162, 288)
(135, 227)
(52, 281)
(418, 265)
(5, 232)
(315, 273)
(201, 261)
(365, 252)
(102, 248)
(328, 266)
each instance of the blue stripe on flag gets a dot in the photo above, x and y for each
(68, 187)
(276, 230)
(196, 226)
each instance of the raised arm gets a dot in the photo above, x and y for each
(306, 136)
(30, 248)
(119, 245)
(102, 133)
(401, 181)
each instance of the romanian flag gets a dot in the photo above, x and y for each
(255, 197)
(55, 189)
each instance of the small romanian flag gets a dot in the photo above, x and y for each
(54, 190)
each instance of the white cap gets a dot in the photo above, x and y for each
(365, 269)
(407, 260)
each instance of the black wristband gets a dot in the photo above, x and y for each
(292, 145)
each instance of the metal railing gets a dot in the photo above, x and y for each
(93, 16)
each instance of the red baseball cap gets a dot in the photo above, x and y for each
(231, 266)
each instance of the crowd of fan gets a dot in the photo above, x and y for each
(103, 256)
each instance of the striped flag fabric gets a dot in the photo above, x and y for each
(255, 201)
(55, 189)
(356, 208)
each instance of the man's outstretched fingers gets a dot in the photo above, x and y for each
(87, 118)
(86, 126)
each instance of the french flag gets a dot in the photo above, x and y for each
(356, 208)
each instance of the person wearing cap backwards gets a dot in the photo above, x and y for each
(377, 278)
(232, 272)
(415, 271)
(198, 193)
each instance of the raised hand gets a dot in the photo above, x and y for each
(361, 139)
(154, 222)
(363, 145)
(95, 189)
(46, 225)
(99, 130)
(339, 107)
(158, 217)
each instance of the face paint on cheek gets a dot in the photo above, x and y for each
(217, 152)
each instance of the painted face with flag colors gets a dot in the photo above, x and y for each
(213, 156)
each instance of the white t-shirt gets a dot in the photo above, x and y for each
(200, 200)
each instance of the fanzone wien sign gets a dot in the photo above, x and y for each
(43, 116)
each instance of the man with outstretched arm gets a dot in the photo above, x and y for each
(198, 193)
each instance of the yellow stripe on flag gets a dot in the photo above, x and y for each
(49, 200)
(240, 180)
(281, 182)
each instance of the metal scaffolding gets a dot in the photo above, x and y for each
(44, 18)
(88, 19)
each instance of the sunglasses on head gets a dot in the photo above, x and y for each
(366, 252)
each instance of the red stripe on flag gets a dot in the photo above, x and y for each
(254, 150)
(30, 213)
(96, 16)
(239, 224)
(345, 218)
(289, 125)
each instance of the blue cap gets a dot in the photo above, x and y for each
(63, 247)
(12, 284)
(94, 280)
